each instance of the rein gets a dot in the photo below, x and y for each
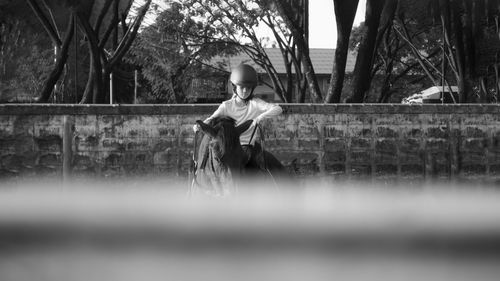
(194, 163)
(262, 145)
(253, 133)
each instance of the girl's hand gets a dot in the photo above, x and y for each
(256, 122)
(196, 128)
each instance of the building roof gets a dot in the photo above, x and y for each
(322, 60)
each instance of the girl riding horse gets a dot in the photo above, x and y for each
(243, 106)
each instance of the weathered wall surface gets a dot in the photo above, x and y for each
(386, 142)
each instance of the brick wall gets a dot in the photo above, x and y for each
(380, 142)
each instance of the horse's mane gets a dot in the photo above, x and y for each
(228, 124)
(221, 119)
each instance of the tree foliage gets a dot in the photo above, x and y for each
(447, 42)
(106, 30)
(435, 42)
(25, 54)
(172, 52)
(238, 23)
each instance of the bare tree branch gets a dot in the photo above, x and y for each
(51, 30)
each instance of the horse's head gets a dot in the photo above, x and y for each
(221, 142)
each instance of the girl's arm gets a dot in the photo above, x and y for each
(270, 110)
(217, 113)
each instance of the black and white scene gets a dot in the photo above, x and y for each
(224, 140)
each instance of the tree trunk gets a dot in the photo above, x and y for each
(93, 44)
(384, 35)
(364, 60)
(128, 38)
(469, 41)
(289, 86)
(60, 62)
(386, 20)
(386, 84)
(345, 11)
(51, 29)
(460, 53)
(285, 94)
(302, 89)
(88, 93)
(312, 82)
(289, 12)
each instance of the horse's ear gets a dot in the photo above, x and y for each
(243, 127)
(207, 129)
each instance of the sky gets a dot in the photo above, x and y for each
(322, 27)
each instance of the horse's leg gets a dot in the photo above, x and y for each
(264, 160)
(272, 163)
(282, 178)
(263, 166)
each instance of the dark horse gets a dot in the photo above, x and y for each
(221, 161)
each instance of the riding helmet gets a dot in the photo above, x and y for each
(244, 75)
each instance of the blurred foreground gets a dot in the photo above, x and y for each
(155, 232)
